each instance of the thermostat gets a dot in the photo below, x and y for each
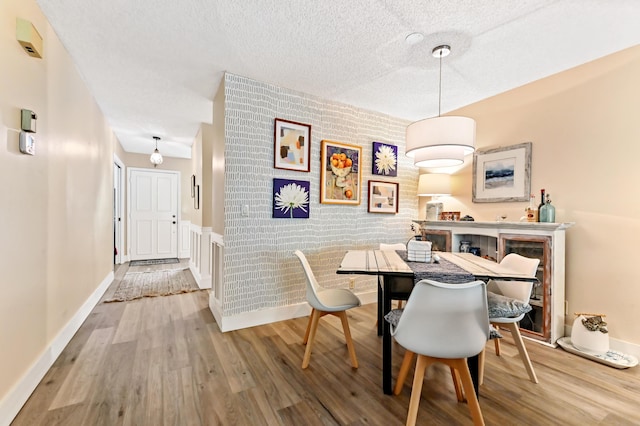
(28, 120)
(27, 143)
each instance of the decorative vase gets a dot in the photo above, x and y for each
(591, 342)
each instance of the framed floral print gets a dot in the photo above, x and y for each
(290, 199)
(340, 173)
(291, 145)
(383, 197)
(384, 160)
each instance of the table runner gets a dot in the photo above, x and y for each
(445, 271)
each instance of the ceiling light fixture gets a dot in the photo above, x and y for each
(440, 141)
(156, 157)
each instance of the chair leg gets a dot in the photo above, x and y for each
(404, 370)
(400, 304)
(416, 390)
(347, 336)
(312, 327)
(517, 338)
(496, 343)
(460, 364)
(481, 356)
(306, 334)
(455, 375)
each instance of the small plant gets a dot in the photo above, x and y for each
(595, 323)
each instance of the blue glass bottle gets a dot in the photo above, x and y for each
(547, 212)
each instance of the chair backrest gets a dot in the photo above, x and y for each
(312, 284)
(519, 290)
(396, 246)
(445, 320)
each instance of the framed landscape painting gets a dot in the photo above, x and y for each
(502, 174)
(340, 173)
(290, 199)
(383, 197)
(291, 145)
(384, 160)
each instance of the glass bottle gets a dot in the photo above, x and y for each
(547, 212)
(541, 204)
(532, 212)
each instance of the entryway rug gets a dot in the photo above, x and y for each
(136, 285)
(153, 261)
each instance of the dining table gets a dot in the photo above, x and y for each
(447, 267)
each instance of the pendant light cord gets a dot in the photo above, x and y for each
(440, 85)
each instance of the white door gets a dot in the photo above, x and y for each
(153, 213)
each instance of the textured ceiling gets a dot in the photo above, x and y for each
(154, 65)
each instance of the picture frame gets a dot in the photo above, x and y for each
(291, 145)
(450, 216)
(383, 197)
(384, 160)
(193, 186)
(196, 198)
(502, 174)
(340, 173)
(291, 199)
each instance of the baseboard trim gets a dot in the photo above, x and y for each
(21, 391)
(271, 315)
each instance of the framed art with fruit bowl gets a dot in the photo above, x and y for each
(340, 173)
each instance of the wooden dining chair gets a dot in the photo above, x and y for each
(326, 302)
(443, 323)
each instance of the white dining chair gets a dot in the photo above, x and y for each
(443, 323)
(519, 291)
(326, 302)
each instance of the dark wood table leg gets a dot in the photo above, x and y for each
(380, 308)
(386, 338)
(474, 370)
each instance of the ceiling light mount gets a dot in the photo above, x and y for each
(441, 51)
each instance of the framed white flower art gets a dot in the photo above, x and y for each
(385, 159)
(290, 199)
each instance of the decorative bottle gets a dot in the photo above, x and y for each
(532, 213)
(547, 212)
(541, 204)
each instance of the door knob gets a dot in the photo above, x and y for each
(174, 222)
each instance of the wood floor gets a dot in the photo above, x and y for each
(163, 361)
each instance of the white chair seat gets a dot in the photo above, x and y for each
(339, 299)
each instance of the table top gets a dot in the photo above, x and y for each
(381, 262)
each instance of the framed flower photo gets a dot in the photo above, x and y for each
(384, 161)
(383, 197)
(290, 199)
(291, 145)
(340, 173)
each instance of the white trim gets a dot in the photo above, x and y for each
(123, 188)
(184, 243)
(11, 404)
(268, 316)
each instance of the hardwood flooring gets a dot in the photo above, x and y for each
(163, 361)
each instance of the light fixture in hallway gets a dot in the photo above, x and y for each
(156, 157)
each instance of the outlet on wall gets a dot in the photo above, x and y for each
(352, 283)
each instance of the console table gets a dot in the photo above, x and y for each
(494, 240)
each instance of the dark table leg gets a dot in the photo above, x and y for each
(380, 308)
(386, 338)
(474, 370)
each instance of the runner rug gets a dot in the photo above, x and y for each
(154, 261)
(136, 285)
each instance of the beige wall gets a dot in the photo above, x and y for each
(586, 146)
(56, 213)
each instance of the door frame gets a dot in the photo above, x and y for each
(121, 224)
(178, 203)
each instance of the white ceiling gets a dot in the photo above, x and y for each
(155, 65)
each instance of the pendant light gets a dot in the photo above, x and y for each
(156, 157)
(440, 141)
